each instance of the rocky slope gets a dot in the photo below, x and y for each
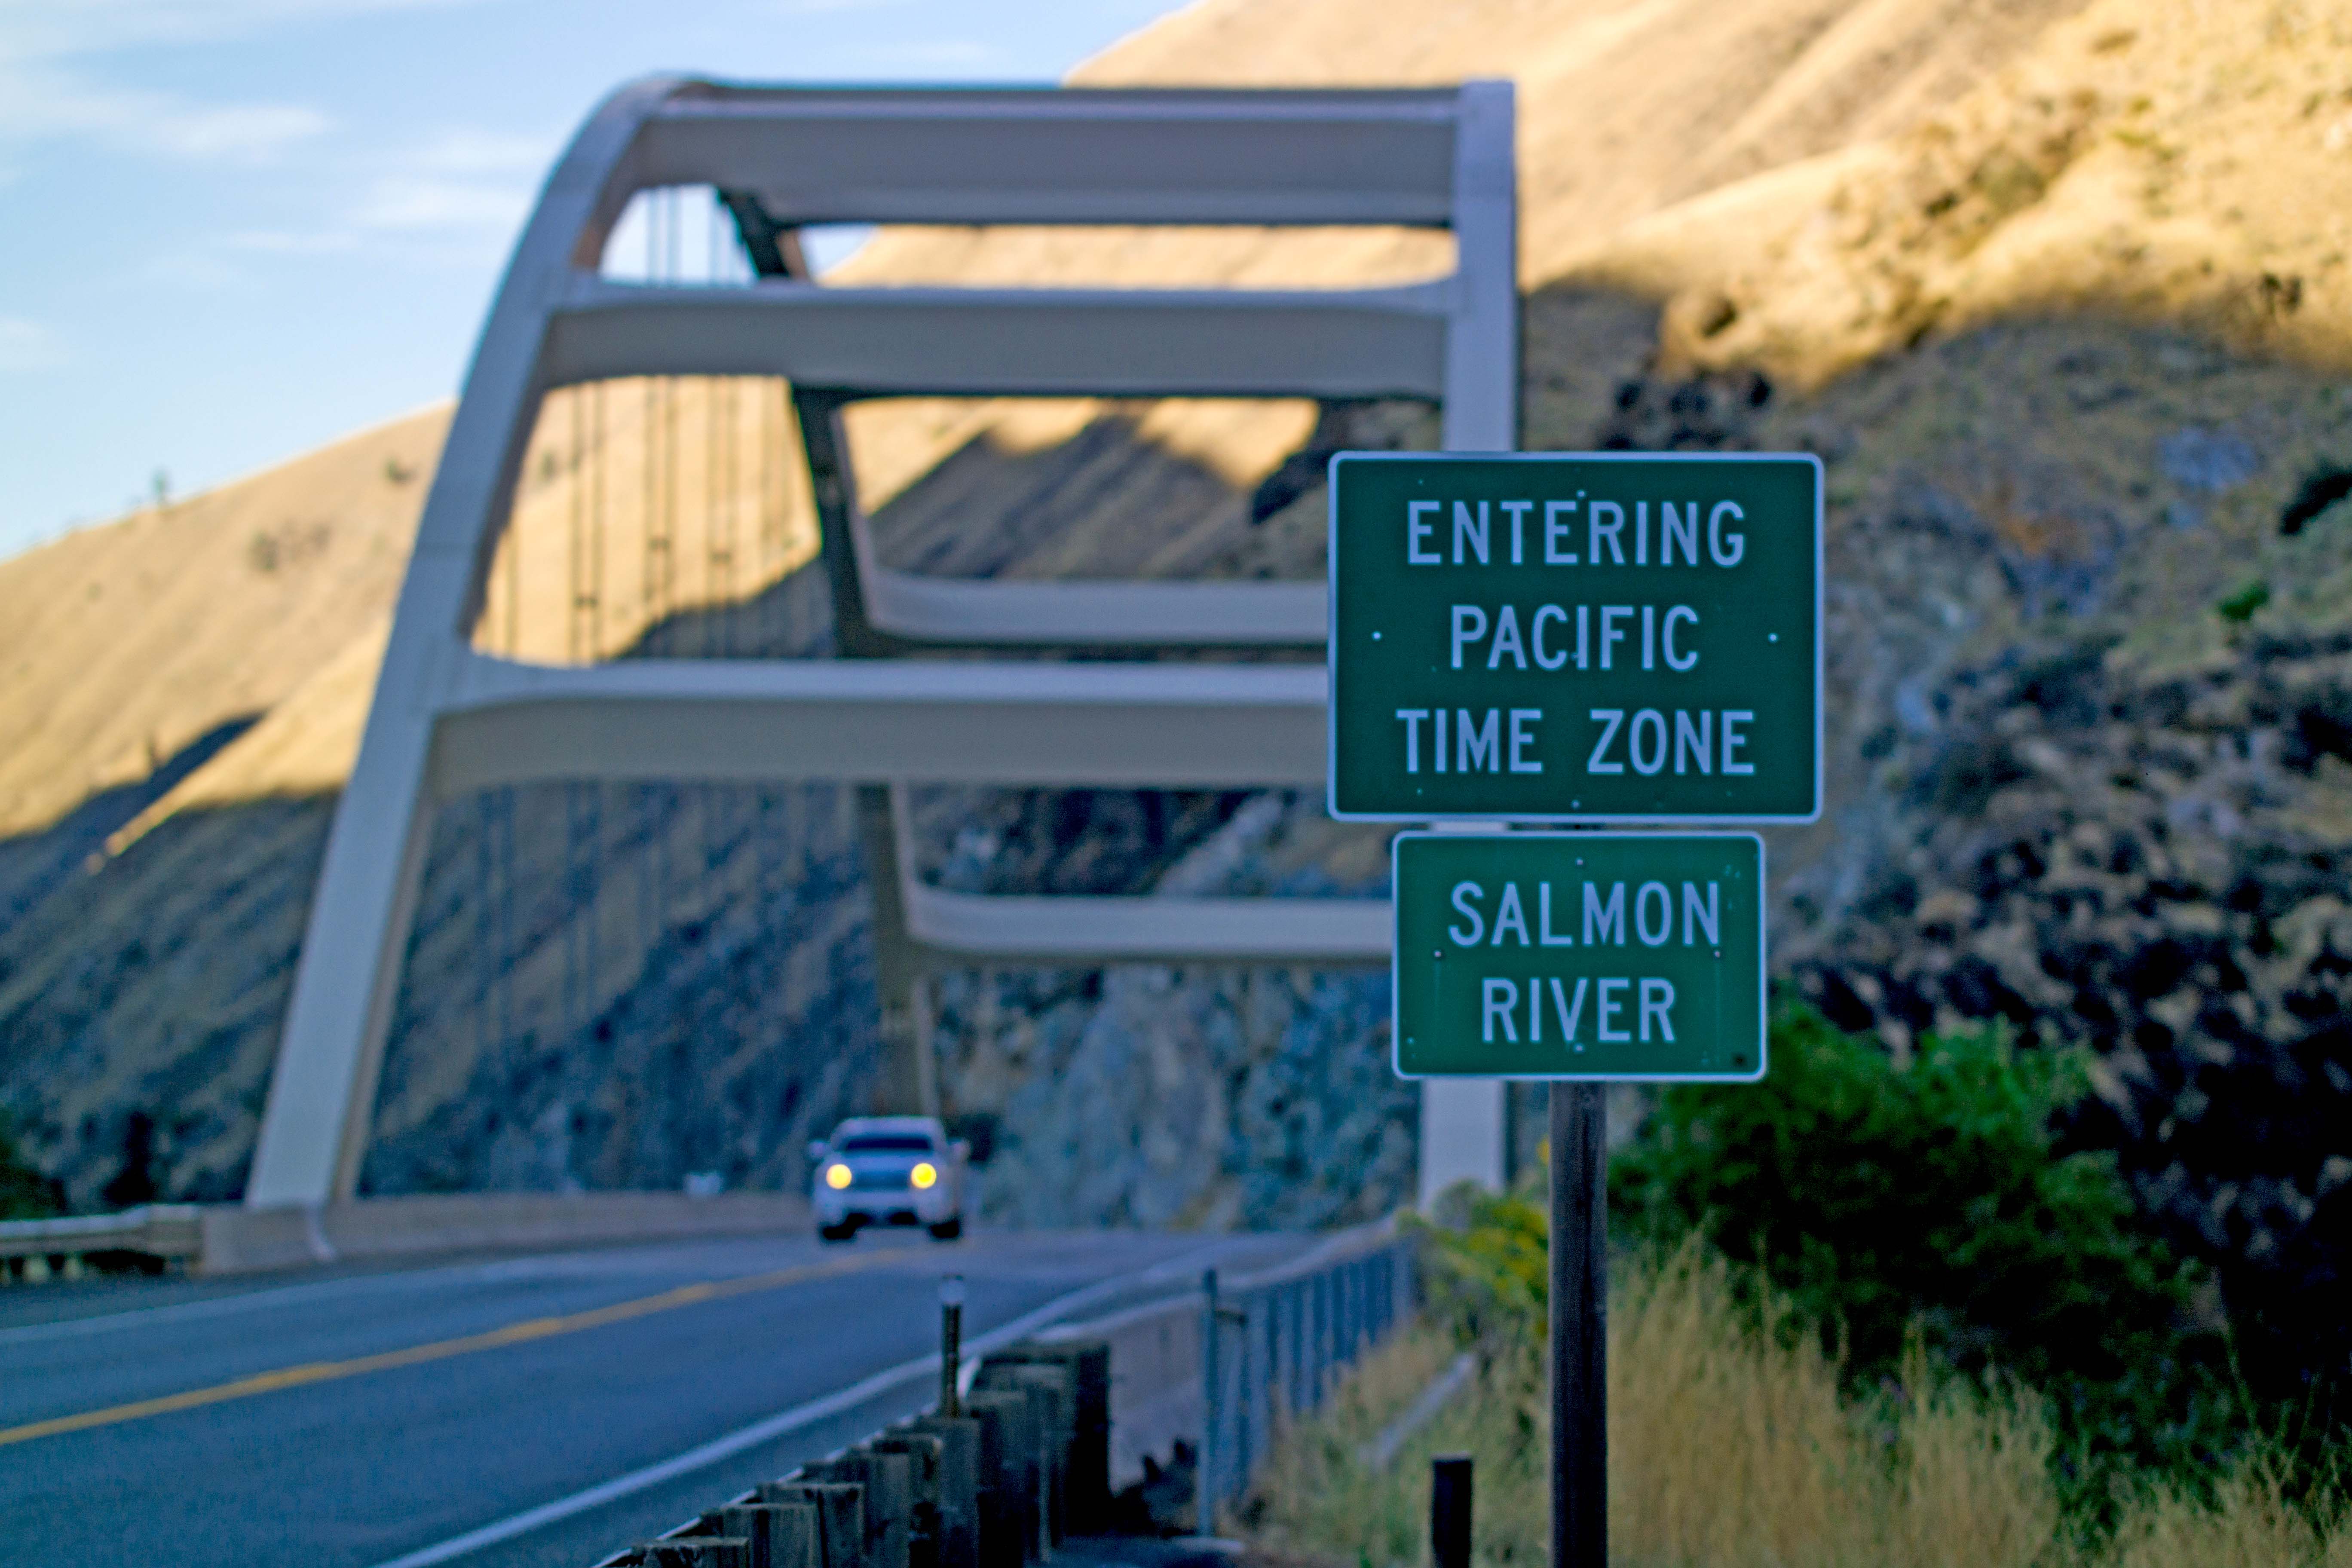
(2149, 862)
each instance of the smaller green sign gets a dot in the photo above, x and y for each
(1579, 956)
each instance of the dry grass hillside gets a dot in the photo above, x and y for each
(1621, 120)
(2158, 161)
(122, 645)
(2055, 288)
(1889, 170)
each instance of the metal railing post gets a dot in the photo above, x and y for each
(1303, 1315)
(1292, 1398)
(1322, 1337)
(1245, 1409)
(950, 1343)
(1266, 1379)
(1350, 1310)
(1205, 1469)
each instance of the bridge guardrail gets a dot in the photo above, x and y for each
(33, 1249)
(229, 1238)
(1283, 1334)
(1053, 1426)
(1275, 1344)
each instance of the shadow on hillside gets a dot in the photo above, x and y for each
(1109, 501)
(157, 984)
(32, 865)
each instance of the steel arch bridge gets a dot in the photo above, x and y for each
(449, 718)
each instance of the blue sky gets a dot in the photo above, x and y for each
(233, 229)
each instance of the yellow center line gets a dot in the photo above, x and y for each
(516, 1333)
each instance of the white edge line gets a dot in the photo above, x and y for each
(773, 1427)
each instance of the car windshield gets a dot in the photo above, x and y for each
(887, 1143)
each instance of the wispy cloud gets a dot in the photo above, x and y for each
(256, 131)
(453, 199)
(290, 242)
(60, 78)
(40, 102)
(414, 202)
(97, 26)
(27, 346)
(461, 181)
(941, 53)
(825, 7)
(200, 265)
(470, 152)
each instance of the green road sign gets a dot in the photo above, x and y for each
(1580, 955)
(1612, 637)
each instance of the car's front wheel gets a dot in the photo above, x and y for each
(948, 1229)
(841, 1231)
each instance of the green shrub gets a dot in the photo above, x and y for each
(24, 1193)
(2239, 607)
(1884, 1200)
(1490, 1273)
(1888, 1207)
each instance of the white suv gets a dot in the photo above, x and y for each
(888, 1170)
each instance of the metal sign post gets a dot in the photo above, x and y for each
(1583, 639)
(1580, 1326)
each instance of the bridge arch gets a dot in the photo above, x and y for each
(909, 702)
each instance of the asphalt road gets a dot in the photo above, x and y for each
(422, 1415)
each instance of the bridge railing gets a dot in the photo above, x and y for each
(1052, 1428)
(1275, 1344)
(35, 1249)
(228, 1238)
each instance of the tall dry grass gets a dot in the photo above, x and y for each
(1731, 1446)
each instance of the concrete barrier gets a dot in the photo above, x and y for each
(240, 1240)
(228, 1238)
(36, 1249)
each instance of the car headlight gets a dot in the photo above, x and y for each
(925, 1175)
(836, 1176)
